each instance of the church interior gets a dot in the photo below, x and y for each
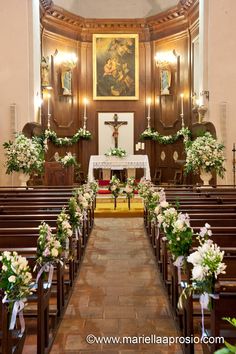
(117, 186)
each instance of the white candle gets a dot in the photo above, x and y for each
(85, 106)
(49, 103)
(182, 103)
(149, 106)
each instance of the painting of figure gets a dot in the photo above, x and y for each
(115, 67)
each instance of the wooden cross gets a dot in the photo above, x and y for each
(116, 125)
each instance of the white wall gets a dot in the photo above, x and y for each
(19, 71)
(222, 73)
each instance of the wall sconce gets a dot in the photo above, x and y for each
(206, 94)
(165, 59)
(199, 109)
(201, 113)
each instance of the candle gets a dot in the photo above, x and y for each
(149, 106)
(49, 96)
(182, 103)
(85, 106)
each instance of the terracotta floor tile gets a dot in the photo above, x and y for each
(118, 293)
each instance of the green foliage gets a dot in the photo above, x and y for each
(80, 134)
(151, 134)
(229, 348)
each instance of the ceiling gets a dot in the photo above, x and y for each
(115, 8)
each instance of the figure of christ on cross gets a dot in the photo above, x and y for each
(116, 125)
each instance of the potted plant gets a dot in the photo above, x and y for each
(24, 155)
(205, 155)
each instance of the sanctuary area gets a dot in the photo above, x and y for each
(117, 187)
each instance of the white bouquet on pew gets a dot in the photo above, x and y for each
(24, 155)
(207, 265)
(143, 187)
(15, 277)
(64, 230)
(205, 153)
(180, 238)
(81, 199)
(48, 247)
(75, 213)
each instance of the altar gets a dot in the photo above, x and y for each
(107, 163)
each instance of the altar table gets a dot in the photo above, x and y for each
(130, 162)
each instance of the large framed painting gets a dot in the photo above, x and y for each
(115, 67)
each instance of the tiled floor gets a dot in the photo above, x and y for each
(118, 293)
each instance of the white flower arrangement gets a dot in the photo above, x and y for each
(143, 187)
(15, 277)
(206, 153)
(64, 229)
(114, 186)
(24, 155)
(75, 213)
(67, 160)
(118, 152)
(48, 247)
(130, 187)
(83, 203)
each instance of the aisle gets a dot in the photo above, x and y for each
(118, 293)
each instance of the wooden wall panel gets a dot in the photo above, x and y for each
(67, 114)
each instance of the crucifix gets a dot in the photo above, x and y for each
(116, 125)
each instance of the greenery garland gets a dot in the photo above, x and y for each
(80, 134)
(151, 134)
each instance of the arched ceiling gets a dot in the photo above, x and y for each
(115, 8)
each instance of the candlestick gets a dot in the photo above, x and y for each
(149, 106)
(182, 103)
(85, 106)
(149, 113)
(49, 96)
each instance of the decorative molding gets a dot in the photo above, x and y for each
(55, 17)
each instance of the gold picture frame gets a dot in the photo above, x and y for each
(115, 67)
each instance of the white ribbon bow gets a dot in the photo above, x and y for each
(179, 263)
(204, 302)
(48, 268)
(17, 309)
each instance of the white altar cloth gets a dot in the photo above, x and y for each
(117, 163)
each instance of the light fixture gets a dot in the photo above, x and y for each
(164, 59)
(199, 108)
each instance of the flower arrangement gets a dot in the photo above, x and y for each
(118, 152)
(80, 134)
(207, 265)
(166, 217)
(179, 239)
(67, 160)
(114, 186)
(81, 199)
(93, 185)
(150, 134)
(130, 187)
(206, 153)
(143, 187)
(24, 155)
(75, 213)
(48, 247)
(15, 277)
(64, 230)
